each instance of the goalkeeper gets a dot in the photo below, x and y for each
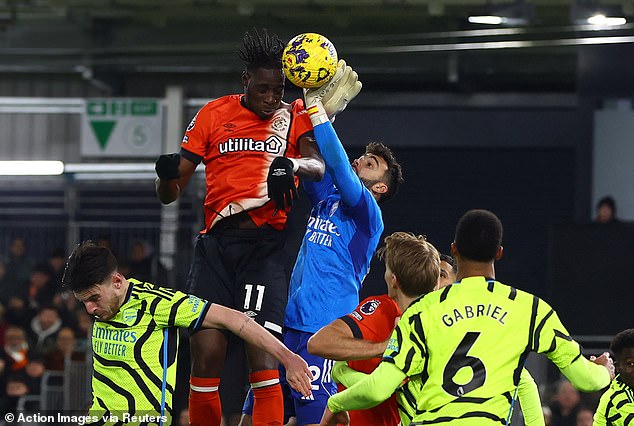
(342, 233)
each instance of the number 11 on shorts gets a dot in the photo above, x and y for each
(260, 296)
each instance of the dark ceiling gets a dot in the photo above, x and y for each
(402, 44)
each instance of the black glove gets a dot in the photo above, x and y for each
(167, 166)
(281, 183)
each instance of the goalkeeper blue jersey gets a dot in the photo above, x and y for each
(342, 233)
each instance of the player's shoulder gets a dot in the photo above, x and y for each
(297, 105)
(223, 102)
(145, 290)
(381, 302)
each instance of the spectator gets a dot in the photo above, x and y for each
(183, 417)
(18, 312)
(15, 386)
(84, 324)
(3, 281)
(548, 415)
(67, 307)
(44, 329)
(33, 375)
(606, 211)
(57, 261)
(144, 265)
(566, 403)
(41, 289)
(65, 347)
(18, 270)
(15, 351)
(584, 417)
(4, 324)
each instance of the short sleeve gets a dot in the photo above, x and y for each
(301, 122)
(197, 133)
(552, 338)
(406, 348)
(177, 309)
(375, 317)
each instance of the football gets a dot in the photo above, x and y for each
(309, 60)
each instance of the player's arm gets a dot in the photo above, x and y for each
(375, 388)
(311, 165)
(337, 162)
(297, 373)
(174, 171)
(281, 185)
(530, 402)
(590, 375)
(337, 341)
(553, 340)
(346, 375)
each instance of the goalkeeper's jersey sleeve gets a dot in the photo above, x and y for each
(464, 347)
(616, 406)
(134, 353)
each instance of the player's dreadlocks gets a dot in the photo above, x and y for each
(262, 50)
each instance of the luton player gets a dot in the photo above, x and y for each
(135, 338)
(253, 146)
(463, 348)
(412, 267)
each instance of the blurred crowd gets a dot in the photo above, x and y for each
(41, 326)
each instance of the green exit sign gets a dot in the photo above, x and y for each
(109, 107)
(122, 127)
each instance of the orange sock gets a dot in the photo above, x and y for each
(268, 405)
(204, 401)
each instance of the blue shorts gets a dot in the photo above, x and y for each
(308, 410)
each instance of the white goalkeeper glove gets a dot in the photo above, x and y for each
(325, 102)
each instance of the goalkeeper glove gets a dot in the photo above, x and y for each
(327, 101)
(167, 166)
(280, 183)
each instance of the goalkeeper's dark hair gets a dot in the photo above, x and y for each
(88, 265)
(478, 235)
(623, 340)
(450, 260)
(393, 177)
(261, 49)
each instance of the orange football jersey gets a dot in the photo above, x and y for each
(237, 148)
(375, 318)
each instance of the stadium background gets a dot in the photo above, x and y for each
(533, 122)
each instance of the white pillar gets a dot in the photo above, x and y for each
(171, 143)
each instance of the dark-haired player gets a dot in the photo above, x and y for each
(616, 407)
(463, 348)
(135, 338)
(253, 146)
(448, 271)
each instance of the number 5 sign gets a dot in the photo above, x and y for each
(120, 127)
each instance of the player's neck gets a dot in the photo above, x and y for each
(123, 291)
(403, 301)
(470, 268)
